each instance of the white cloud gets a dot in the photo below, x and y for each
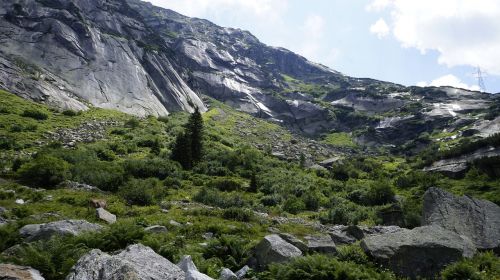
(463, 32)
(270, 10)
(378, 5)
(380, 28)
(448, 80)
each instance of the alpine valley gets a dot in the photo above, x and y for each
(138, 143)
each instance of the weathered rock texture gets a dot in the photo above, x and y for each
(15, 272)
(477, 219)
(136, 262)
(421, 252)
(273, 249)
(65, 227)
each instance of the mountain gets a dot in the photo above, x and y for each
(145, 60)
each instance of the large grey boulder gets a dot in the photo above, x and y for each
(477, 219)
(422, 251)
(65, 227)
(227, 274)
(16, 272)
(294, 241)
(191, 271)
(321, 244)
(136, 262)
(273, 249)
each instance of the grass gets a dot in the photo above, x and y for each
(339, 139)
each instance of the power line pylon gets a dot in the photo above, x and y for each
(480, 81)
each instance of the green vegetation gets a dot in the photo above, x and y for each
(218, 189)
(339, 139)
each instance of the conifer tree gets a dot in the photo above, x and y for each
(188, 146)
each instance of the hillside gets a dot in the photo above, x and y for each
(128, 160)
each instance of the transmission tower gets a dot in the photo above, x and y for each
(480, 80)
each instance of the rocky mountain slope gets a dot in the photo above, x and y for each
(141, 59)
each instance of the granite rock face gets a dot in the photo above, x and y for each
(477, 219)
(135, 262)
(420, 252)
(273, 249)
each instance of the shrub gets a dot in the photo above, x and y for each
(35, 114)
(118, 236)
(45, 171)
(294, 205)
(7, 143)
(225, 184)
(271, 200)
(132, 123)
(105, 154)
(237, 214)
(352, 253)
(70, 113)
(321, 267)
(380, 192)
(142, 192)
(9, 236)
(215, 198)
(483, 266)
(232, 250)
(107, 176)
(154, 167)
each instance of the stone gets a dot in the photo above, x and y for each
(104, 215)
(273, 249)
(208, 235)
(191, 271)
(20, 201)
(16, 272)
(35, 232)
(294, 241)
(136, 262)
(242, 272)
(227, 274)
(340, 237)
(79, 186)
(156, 229)
(477, 219)
(420, 252)
(174, 223)
(321, 244)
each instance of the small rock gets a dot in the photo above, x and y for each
(104, 215)
(20, 201)
(156, 229)
(227, 274)
(208, 235)
(16, 272)
(191, 271)
(175, 224)
(242, 272)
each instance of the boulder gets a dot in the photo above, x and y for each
(35, 232)
(273, 249)
(294, 241)
(321, 244)
(340, 237)
(423, 251)
(242, 272)
(136, 262)
(477, 219)
(16, 272)
(156, 229)
(104, 215)
(227, 274)
(191, 271)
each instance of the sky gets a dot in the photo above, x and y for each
(410, 42)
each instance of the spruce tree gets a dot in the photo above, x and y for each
(188, 146)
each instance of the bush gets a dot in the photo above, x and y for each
(232, 250)
(215, 198)
(225, 184)
(271, 200)
(380, 193)
(294, 205)
(35, 114)
(154, 167)
(352, 253)
(70, 113)
(118, 236)
(483, 266)
(237, 214)
(107, 176)
(132, 123)
(143, 192)
(45, 171)
(321, 267)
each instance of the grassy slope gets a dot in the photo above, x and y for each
(224, 143)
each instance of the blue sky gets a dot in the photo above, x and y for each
(424, 42)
